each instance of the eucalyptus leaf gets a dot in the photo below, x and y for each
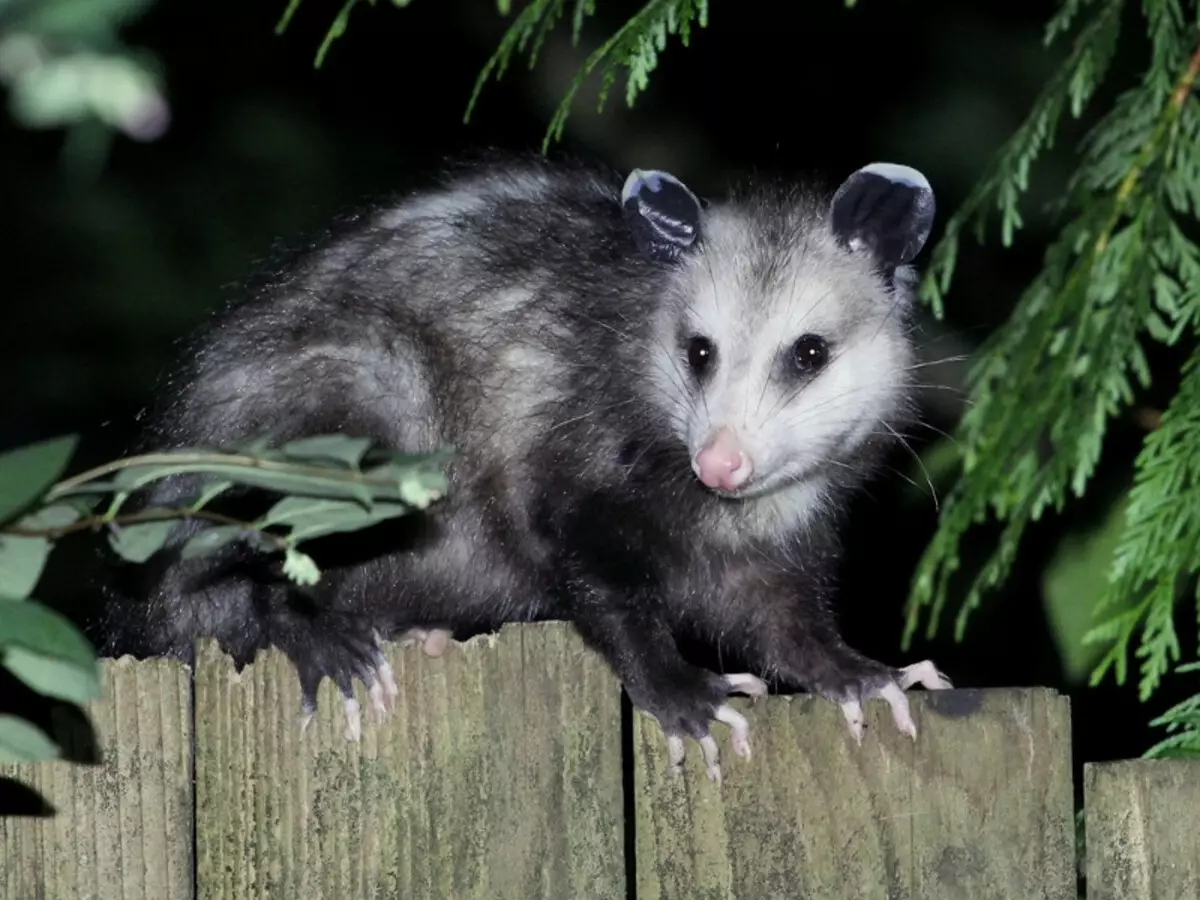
(210, 540)
(281, 480)
(310, 517)
(22, 741)
(141, 540)
(47, 652)
(23, 558)
(28, 472)
(210, 493)
(334, 447)
(53, 677)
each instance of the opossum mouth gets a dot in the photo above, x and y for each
(758, 488)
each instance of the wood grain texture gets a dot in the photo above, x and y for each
(498, 775)
(979, 806)
(1143, 829)
(122, 828)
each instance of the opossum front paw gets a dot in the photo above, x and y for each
(890, 687)
(344, 652)
(688, 707)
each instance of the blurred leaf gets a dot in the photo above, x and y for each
(22, 559)
(47, 652)
(300, 567)
(21, 741)
(141, 540)
(28, 472)
(21, 562)
(80, 18)
(333, 447)
(210, 540)
(1075, 577)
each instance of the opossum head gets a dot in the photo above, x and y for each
(781, 348)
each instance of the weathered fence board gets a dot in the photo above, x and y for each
(123, 828)
(498, 775)
(1142, 837)
(980, 805)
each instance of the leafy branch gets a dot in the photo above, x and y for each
(1072, 354)
(330, 483)
(634, 47)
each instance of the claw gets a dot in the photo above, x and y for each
(739, 729)
(898, 701)
(353, 719)
(708, 746)
(378, 700)
(924, 673)
(852, 710)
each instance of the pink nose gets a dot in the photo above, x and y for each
(722, 464)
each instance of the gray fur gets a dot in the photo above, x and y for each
(509, 314)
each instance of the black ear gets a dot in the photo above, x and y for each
(886, 209)
(662, 214)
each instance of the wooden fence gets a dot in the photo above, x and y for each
(499, 776)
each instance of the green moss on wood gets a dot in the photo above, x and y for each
(122, 828)
(1143, 829)
(978, 807)
(497, 776)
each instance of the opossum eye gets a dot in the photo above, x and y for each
(885, 209)
(700, 354)
(809, 354)
(662, 214)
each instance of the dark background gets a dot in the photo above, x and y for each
(102, 276)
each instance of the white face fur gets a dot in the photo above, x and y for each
(800, 367)
(780, 349)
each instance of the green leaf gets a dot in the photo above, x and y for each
(141, 540)
(310, 517)
(21, 741)
(28, 472)
(300, 567)
(332, 447)
(47, 652)
(284, 480)
(22, 559)
(210, 540)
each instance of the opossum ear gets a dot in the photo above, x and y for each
(662, 214)
(886, 209)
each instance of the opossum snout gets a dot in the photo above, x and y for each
(722, 463)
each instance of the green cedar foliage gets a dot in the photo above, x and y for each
(1122, 272)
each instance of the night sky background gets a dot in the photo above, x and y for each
(103, 275)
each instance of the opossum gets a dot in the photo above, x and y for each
(659, 407)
